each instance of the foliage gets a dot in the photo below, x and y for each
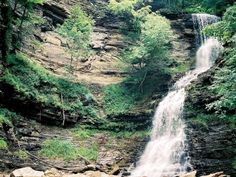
(224, 86)
(225, 29)
(234, 164)
(7, 116)
(56, 148)
(22, 154)
(77, 29)
(45, 89)
(3, 144)
(148, 56)
(194, 6)
(17, 16)
(153, 44)
(118, 99)
(131, 11)
(125, 7)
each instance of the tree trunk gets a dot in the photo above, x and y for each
(63, 112)
(6, 29)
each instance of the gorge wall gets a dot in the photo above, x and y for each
(212, 144)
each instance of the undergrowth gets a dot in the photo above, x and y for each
(7, 116)
(38, 85)
(118, 99)
(3, 144)
(22, 154)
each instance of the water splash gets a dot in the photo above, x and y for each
(165, 153)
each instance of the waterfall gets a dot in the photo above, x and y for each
(165, 153)
(200, 21)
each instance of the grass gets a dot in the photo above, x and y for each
(3, 144)
(61, 149)
(84, 133)
(90, 153)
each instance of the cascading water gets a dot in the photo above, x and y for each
(165, 153)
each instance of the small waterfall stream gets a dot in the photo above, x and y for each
(165, 153)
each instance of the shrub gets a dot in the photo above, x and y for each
(21, 154)
(3, 144)
(77, 29)
(118, 99)
(7, 116)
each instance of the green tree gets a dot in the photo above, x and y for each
(14, 14)
(224, 83)
(77, 29)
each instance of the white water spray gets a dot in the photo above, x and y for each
(165, 153)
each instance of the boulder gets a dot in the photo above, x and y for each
(190, 174)
(26, 172)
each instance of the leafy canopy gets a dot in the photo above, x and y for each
(78, 30)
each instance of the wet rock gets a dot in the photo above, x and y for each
(26, 172)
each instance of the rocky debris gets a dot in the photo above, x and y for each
(114, 153)
(26, 172)
(29, 172)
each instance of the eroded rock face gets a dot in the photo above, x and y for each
(211, 144)
(213, 148)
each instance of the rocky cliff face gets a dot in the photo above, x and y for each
(104, 66)
(211, 143)
(212, 149)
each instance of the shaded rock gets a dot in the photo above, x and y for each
(26, 172)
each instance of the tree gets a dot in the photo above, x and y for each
(13, 16)
(77, 29)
